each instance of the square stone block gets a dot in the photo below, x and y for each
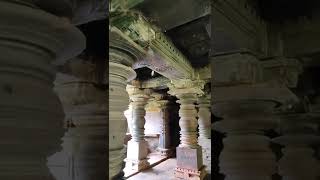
(189, 158)
(137, 150)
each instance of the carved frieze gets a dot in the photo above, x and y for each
(160, 53)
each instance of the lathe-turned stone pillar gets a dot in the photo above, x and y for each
(298, 157)
(164, 139)
(84, 152)
(189, 153)
(204, 122)
(246, 99)
(137, 147)
(31, 115)
(120, 72)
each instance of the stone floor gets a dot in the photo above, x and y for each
(153, 159)
(162, 171)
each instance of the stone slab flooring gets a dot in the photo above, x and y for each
(162, 171)
(153, 158)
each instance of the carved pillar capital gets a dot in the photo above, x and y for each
(186, 86)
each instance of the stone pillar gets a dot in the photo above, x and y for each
(204, 122)
(164, 139)
(31, 115)
(85, 144)
(120, 72)
(245, 100)
(299, 135)
(189, 153)
(137, 147)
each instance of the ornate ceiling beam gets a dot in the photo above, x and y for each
(156, 83)
(160, 53)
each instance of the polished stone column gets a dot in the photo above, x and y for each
(164, 139)
(85, 142)
(31, 115)
(137, 147)
(204, 122)
(298, 136)
(119, 73)
(189, 153)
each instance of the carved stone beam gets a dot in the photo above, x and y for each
(160, 53)
(157, 83)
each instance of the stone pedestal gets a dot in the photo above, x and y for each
(137, 147)
(119, 73)
(204, 122)
(189, 153)
(31, 115)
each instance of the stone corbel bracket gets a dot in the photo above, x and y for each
(160, 53)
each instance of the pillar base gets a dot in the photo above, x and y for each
(189, 158)
(165, 152)
(189, 174)
(136, 165)
(206, 152)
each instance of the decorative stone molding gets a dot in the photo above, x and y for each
(161, 55)
(31, 113)
(159, 83)
(137, 147)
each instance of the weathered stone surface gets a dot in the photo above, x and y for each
(189, 158)
(31, 115)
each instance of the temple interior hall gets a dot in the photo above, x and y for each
(214, 89)
(159, 89)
